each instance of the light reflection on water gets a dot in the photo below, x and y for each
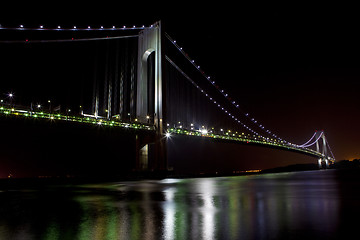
(272, 206)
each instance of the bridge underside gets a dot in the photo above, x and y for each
(196, 155)
(37, 147)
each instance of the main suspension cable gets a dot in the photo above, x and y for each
(208, 78)
(210, 98)
(67, 40)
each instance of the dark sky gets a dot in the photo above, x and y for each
(294, 67)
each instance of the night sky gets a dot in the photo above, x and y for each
(295, 68)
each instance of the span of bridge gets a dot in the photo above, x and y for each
(151, 101)
(221, 135)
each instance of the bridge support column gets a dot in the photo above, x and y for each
(143, 160)
(151, 154)
(323, 163)
(142, 151)
(150, 103)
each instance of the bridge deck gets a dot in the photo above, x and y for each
(6, 111)
(246, 138)
(87, 119)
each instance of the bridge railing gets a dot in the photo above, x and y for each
(86, 119)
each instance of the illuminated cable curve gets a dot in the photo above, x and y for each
(74, 28)
(210, 98)
(208, 78)
(330, 150)
(308, 140)
(67, 40)
(308, 145)
(305, 145)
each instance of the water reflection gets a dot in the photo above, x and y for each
(274, 206)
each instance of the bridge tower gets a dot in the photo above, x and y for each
(150, 107)
(324, 160)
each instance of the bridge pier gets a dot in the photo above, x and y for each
(323, 163)
(150, 154)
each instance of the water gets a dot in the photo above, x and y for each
(303, 205)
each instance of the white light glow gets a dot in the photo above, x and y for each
(204, 131)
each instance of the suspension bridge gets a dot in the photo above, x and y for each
(147, 83)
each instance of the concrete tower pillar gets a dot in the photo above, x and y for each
(150, 107)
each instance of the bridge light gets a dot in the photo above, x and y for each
(204, 131)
